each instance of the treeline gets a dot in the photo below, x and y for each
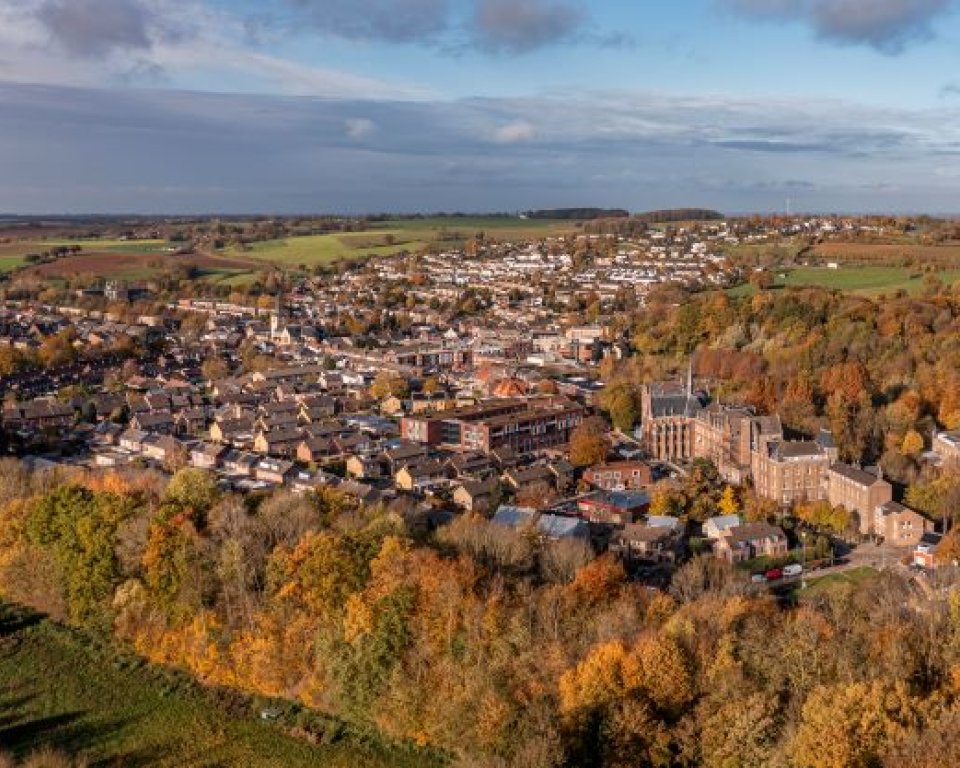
(672, 215)
(579, 214)
(480, 642)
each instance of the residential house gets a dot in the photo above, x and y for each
(715, 527)
(616, 508)
(366, 467)
(477, 495)
(238, 432)
(207, 455)
(275, 471)
(421, 476)
(561, 528)
(900, 525)
(751, 540)
(619, 476)
(132, 440)
(280, 443)
(534, 479)
(156, 422)
(640, 542)
(366, 495)
(239, 463)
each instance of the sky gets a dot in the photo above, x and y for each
(404, 106)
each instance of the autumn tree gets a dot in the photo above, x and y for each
(589, 443)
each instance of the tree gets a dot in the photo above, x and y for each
(912, 443)
(192, 489)
(849, 725)
(589, 443)
(728, 504)
(389, 384)
(214, 368)
(762, 279)
(621, 403)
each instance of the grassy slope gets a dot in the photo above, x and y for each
(58, 688)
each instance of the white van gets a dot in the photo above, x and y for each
(794, 569)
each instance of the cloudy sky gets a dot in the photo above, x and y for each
(290, 106)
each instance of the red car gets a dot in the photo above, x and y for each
(773, 574)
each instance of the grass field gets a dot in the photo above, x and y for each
(818, 586)
(864, 281)
(314, 250)
(60, 688)
(388, 237)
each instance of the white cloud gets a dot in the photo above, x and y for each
(360, 127)
(186, 44)
(515, 132)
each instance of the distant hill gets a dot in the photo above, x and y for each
(581, 214)
(678, 214)
(636, 225)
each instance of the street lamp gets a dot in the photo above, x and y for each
(803, 560)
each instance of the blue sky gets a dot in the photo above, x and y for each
(290, 106)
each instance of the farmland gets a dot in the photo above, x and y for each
(145, 259)
(890, 254)
(69, 690)
(320, 250)
(389, 237)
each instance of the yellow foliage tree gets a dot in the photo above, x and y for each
(912, 443)
(728, 504)
(849, 725)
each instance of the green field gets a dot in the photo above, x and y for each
(10, 262)
(389, 237)
(864, 281)
(314, 250)
(818, 586)
(64, 689)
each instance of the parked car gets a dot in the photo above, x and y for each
(758, 578)
(773, 574)
(795, 569)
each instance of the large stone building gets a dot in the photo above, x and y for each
(791, 471)
(858, 491)
(946, 445)
(667, 416)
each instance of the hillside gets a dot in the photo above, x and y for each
(70, 690)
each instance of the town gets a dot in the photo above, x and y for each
(467, 382)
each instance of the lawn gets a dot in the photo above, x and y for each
(72, 691)
(818, 586)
